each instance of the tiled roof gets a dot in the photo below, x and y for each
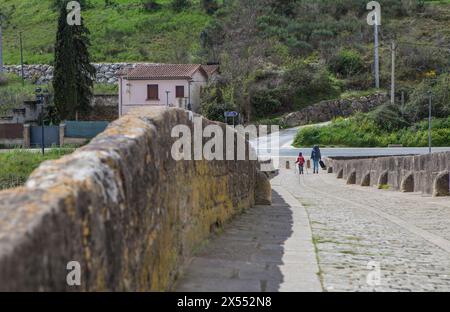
(162, 71)
(211, 69)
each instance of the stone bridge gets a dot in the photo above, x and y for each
(137, 220)
(122, 208)
(428, 174)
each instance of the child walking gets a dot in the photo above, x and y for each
(301, 163)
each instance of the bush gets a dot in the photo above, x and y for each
(362, 131)
(417, 107)
(309, 83)
(266, 102)
(389, 117)
(215, 101)
(347, 63)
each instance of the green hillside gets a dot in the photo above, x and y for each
(121, 30)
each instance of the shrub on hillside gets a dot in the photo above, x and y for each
(310, 83)
(347, 63)
(417, 107)
(266, 102)
(389, 117)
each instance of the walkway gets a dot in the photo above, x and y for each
(268, 248)
(404, 239)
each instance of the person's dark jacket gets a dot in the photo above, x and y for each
(315, 154)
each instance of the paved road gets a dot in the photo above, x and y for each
(286, 138)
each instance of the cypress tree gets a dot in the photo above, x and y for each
(73, 76)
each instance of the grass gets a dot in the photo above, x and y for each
(17, 165)
(362, 132)
(105, 88)
(123, 31)
(13, 93)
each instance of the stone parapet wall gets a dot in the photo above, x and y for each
(121, 207)
(428, 174)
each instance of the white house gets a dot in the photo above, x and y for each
(174, 85)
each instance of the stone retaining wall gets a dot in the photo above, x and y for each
(328, 110)
(43, 73)
(121, 207)
(428, 174)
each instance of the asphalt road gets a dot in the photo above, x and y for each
(286, 137)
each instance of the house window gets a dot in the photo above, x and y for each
(152, 92)
(179, 91)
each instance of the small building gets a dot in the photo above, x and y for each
(173, 85)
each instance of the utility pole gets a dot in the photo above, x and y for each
(1, 46)
(429, 120)
(21, 58)
(167, 98)
(393, 72)
(377, 57)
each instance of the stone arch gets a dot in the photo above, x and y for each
(384, 178)
(330, 169)
(407, 185)
(441, 185)
(352, 177)
(340, 174)
(366, 179)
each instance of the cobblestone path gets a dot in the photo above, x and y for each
(268, 248)
(406, 235)
(318, 224)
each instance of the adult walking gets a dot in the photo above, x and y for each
(316, 157)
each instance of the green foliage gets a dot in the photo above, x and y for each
(210, 6)
(122, 31)
(17, 165)
(73, 74)
(347, 63)
(266, 102)
(13, 93)
(417, 107)
(310, 83)
(215, 101)
(362, 131)
(180, 5)
(389, 117)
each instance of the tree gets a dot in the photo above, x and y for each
(74, 75)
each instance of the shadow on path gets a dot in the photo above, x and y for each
(247, 256)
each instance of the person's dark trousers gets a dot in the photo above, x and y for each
(316, 166)
(300, 169)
